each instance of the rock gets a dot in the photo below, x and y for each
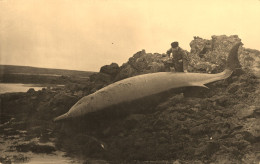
(180, 127)
(233, 88)
(107, 131)
(132, 120)
(31, 90)
(35, 148)
(207, 56)
(79, 93)
(195, 92)
(197, 130)
(222, 100)
(176, 162)
(247, 58)
(200, 46)
(250, 137)
(148, 63)
(20, 158)
(140, 60)
(222, 41)
(111, 69)
(194, 109)
(126, 70)
(211, 148)
(101, 79)
(156, 67)
(58, 105)
(251, 125)
(62, 98)
(210, 55)
(142, 63)
(162, 140)
(139, 142)
(245, 112)
(160, 124)
(208, 149)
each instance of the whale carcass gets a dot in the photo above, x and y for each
(141, 86)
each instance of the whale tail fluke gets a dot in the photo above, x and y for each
(232, 64)
(232, 60)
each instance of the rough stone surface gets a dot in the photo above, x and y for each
(217, 125)
(111, 69)
(142, 63)
(210, 55)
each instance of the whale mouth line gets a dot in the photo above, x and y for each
(61, 117)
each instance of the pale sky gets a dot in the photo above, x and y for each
(87, 34)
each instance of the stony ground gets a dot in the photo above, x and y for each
(196, 125)
(218, 125)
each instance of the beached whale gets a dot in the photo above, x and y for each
(141, 86)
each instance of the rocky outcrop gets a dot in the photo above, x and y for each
(142, 63)
(111, 69)
(217, 125)
(211, 55)
(139, 63)
(31, 90)
(207, 56)
(101, 78)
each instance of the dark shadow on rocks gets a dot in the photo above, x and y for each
(35, 148)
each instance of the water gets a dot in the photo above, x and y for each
(17, 87)
(13, 156)
(8, 154)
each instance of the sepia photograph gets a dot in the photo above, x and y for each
(129, 81)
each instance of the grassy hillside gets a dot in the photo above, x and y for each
(12, 69)
(27, 74)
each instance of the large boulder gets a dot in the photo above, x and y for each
(156, 67)
(101, 78)
(147, 62)
(139, 61)
(142, 63)
(126, 70)
(200, 46)
(210, 56)
(31, 91)
(248, 57)
(111, 69)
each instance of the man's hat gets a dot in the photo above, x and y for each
(174, 44)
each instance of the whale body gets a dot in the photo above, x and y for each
(141, 86)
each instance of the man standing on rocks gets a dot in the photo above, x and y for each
(179, 57)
